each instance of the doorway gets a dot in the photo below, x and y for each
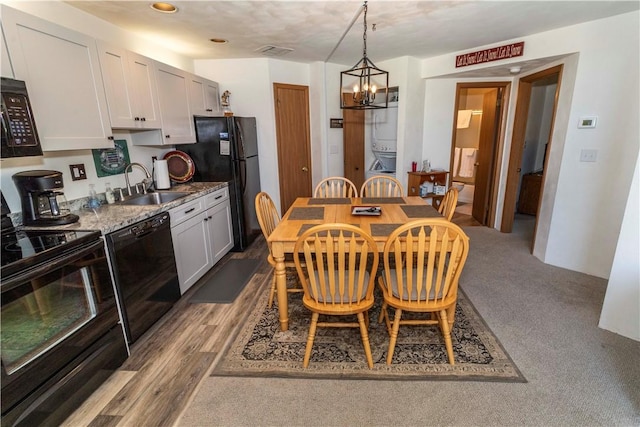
(294, 142)
(530, 145)
(475, 147)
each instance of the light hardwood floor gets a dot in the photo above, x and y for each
(155, 384)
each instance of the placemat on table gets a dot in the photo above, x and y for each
(305, 227)
(382, 200)
(421, 211)
(329, 201)
(383, 229)
(307, 213)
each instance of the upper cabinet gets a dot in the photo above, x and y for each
(130, 87)
(204, 97)
(173, 95)
(64, 80)
(5, 62)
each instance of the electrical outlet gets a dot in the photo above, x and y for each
(77, 172)
(588, 155)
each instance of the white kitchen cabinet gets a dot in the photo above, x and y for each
(175, 112)
(202, 235)
(130, 87)
(204, 97)
(219, 223)
(64, 80)
(5, 62)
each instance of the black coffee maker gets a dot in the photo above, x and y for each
(43, 201)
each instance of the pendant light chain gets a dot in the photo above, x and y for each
(364, 34)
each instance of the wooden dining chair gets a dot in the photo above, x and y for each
(335, 186)
(381, 186)
(338, 274)
(448, 204)
(422, 263)
(268, 218)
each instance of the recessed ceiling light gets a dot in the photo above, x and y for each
(515, 70)
(164, 7)
(221, 41)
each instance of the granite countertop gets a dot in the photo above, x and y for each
(109, 218)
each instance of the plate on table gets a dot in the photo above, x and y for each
(180, 165)
(366, 210)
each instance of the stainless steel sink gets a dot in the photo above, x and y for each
(155, 198)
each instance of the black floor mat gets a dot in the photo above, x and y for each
(227, 283)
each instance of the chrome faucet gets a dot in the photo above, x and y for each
(145, 180)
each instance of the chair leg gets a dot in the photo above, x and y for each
(446, 332)
(312, 334)
(365, 339)
(394, 335)
(272, 292)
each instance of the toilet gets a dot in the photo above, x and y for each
(458, 185)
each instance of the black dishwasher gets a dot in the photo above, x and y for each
(145, 273)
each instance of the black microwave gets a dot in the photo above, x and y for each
(19, 133)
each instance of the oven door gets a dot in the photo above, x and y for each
(50, 314)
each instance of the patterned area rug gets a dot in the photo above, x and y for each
(261, 349)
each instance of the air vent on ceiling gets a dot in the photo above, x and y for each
(274, 50)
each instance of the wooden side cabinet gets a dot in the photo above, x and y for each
(435, 177)
(529, 193)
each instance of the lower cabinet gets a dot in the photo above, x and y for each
(202, 235)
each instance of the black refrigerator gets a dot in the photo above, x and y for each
(227, 150)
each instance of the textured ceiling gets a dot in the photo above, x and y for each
(314, 28)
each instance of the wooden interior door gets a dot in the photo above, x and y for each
(518, 140)
(294, 142)
(487, 144)
(353, 143)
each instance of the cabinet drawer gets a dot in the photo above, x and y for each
(183, 212)
(216, 197)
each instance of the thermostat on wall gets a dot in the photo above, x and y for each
(587, 122)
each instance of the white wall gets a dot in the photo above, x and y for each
(250, 82)
(621, 307)
(582, 231)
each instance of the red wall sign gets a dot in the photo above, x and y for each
(492, 54)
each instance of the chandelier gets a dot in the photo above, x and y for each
(363, 81)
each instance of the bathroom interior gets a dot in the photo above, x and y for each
(467, 139)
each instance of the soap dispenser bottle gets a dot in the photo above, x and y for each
(93, 197)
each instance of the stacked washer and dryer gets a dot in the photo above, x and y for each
(383, 137)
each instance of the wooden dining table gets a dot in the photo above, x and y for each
(307, 212)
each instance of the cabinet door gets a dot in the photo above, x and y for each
(192, 250)
(117, 85)
(221, 233)
(5, 62)
(173, 96)
(203, 97)
(64, 81)
(146, 94)
(212, 98)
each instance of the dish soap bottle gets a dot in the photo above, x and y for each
(108, 193)
(93, 197)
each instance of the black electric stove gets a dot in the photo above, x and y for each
(23, 249)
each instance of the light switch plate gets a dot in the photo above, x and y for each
(77, 172)
(587, 155)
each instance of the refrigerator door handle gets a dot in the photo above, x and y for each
(243, 174)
